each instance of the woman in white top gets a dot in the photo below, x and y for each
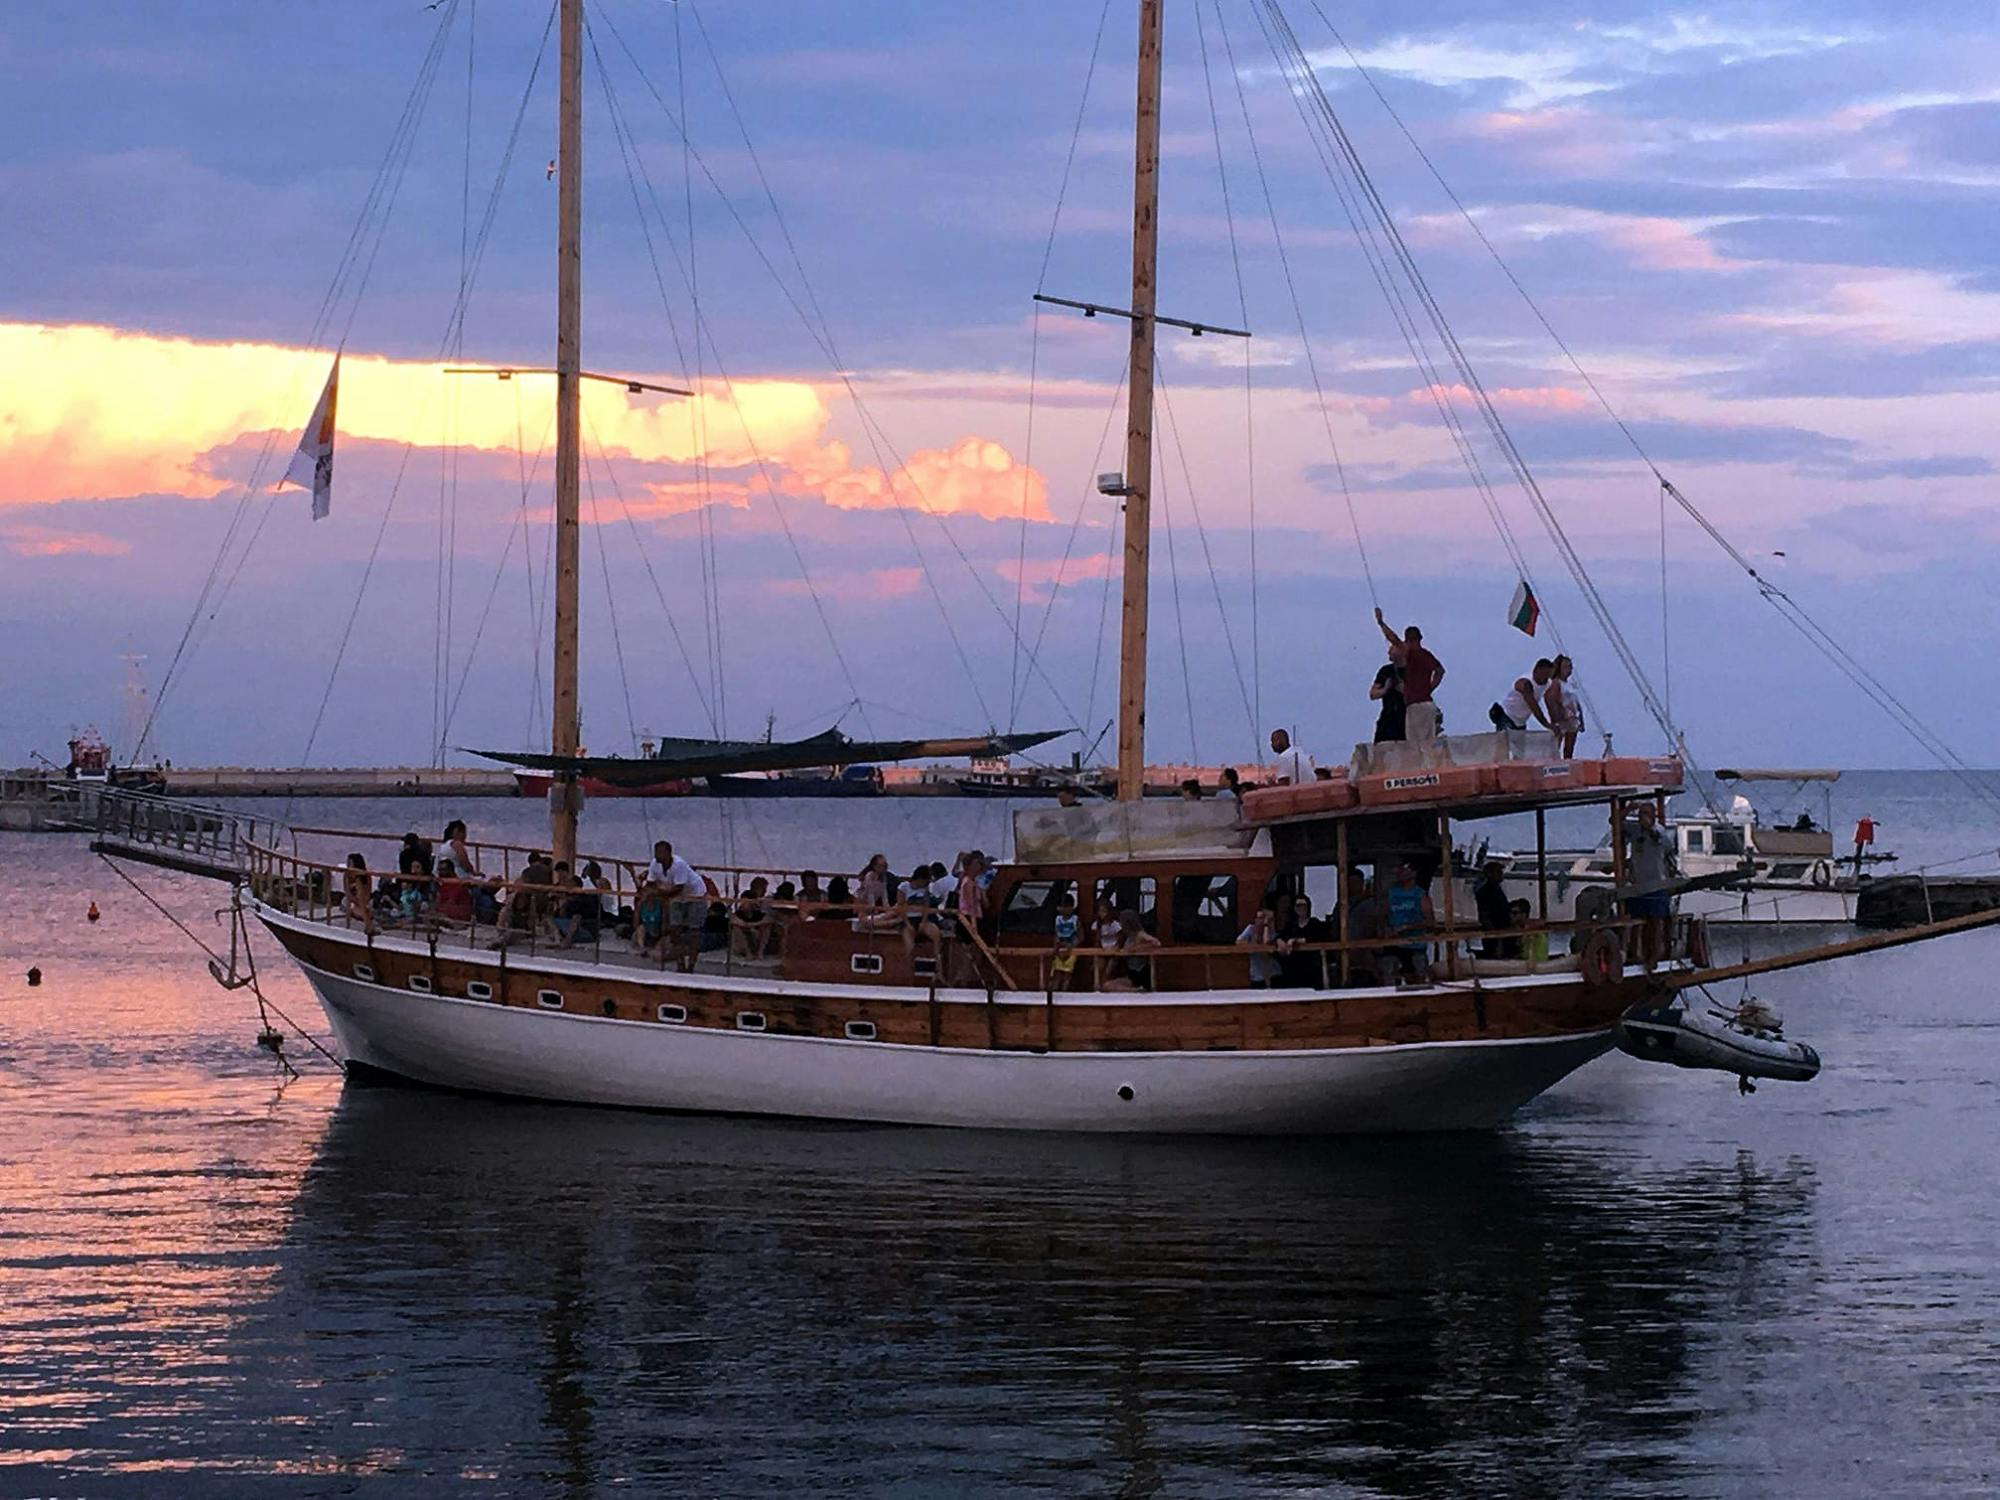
(1564, 705)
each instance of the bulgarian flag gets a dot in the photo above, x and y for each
(1526, 610)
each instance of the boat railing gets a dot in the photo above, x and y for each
(192, 837)
(519, 915)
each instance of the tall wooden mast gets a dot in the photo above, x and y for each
(565, 722)
(1139, 416)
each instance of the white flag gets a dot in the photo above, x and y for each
(312, 465)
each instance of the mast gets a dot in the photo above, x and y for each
(1139, 414)
(565, 723)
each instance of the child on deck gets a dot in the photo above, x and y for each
(1063, 966)
(1262, 935)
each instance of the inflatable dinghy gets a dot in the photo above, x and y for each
(1748, 1041)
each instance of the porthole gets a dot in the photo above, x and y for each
(924, 968)
(749, 1020)
(478, 989)
(365, 973)
(861, 1031)
(549, 999)
(864, 963)
(1125, 1092)
(421, 983)
(609, 1006)
(673, 1015)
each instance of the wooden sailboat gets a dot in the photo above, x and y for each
(852, 1016)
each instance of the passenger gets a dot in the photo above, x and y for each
(1409, 915)
(1649, 867)
(578, 909)
(649, 917)
(1564, 706)
(1066, 796)
(1523, 702)
(1262, 934)
(686, 896)
(1232, 782)
(810, 893)
(454, 896)
(1532, 945)
(874, 881)
(609, 914)
(1299, 967)
(414, 858)
(357, 889)
(970, 898)
(921, 925)
(1104, 924)
(1364, 921)
(752, 927)
(786, 892)
(1422, 675)
(839, 901)
(1062, 967)
(1191, 789)
(1387, 690)
(1132, 969)
(525, 908)
(1296, 767)
(1489, 898)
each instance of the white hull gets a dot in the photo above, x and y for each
(589, 1060)
(1767, 905)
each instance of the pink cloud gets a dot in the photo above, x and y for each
(46, 541)
(976, 476)
(1040, 577)
(873, 583)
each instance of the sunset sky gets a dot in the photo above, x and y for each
(1768, 232)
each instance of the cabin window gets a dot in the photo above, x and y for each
(549, 999)
(421, 983)
(749, 1020)
(864, 963)
(861, 1031)
(478, 989)
(1135, 893)
(1728, 841)
(673, 1015)
(365, 973)
(1031, 908)
(1697, 840)
(1600, 867)
(1524, 867)
(1788, 872)
(1205, 909)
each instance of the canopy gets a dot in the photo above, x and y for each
(681, 759)
(1777, 775)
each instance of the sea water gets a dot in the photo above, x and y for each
(217, 1282)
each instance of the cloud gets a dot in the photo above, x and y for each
(851, 584)
(1943, 466)
(46, 541)
(1041, 577)
(974, 477)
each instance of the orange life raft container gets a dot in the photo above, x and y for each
(1531, 776)
(1266, 804)
(1430, 784)
(1639, 770)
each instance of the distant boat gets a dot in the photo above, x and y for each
(824, 781)
(538, 784)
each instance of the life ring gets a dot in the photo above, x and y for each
(1603, 957)
(1822, 875)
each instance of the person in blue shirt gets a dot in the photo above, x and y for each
(1409, 916)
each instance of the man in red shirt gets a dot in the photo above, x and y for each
(1422, 672)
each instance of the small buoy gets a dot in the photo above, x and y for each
(271, 1039)
(93, 914)
(34, 977)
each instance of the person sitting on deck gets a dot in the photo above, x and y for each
(753, 928)
(1232, 782)
(1296, 767)
(1066, 796)
(649, 916)
(356, 891)
(1299, 968)
(579, 912)
(1387, 690)
(1531, 945)
(1489, 897)
(610, 914)
(839, 902)
(921, 926)
(1132, 969)
(1262, 937)
(1423, 673)
(1523, 702)
(971, 904)
(454, 896)
(873, 886)
(527, 903)
(1409, 914)
(1191, 789)
(414, 858)
(1062, 967)
(1649, 867)
(810, 893)
(485, 905)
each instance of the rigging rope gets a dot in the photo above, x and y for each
(1180, 620)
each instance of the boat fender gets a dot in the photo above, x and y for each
(1822, 875)
(1603, 957)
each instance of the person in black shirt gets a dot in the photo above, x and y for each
(1489, 895)
(1388, 691)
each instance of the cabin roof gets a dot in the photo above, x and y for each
(1469, 808)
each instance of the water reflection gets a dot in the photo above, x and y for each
(574, 1297)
